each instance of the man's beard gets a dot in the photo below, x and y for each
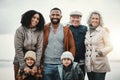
(55, 22)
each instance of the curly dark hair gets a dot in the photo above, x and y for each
(26, 19)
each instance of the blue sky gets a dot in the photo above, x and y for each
(11, 11)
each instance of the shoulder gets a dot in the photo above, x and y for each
(106, 29)
(66, 28)
(20, 29)
(60, 67)
(75, 64)
(47, 26)
(84, 27)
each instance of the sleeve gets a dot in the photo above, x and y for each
(107, 44)
(18, 43)
(39, 49)
(71, 43)
(21, 75)
(79, 72)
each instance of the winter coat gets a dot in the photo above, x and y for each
(74, 73)
(28, 76)
(97, 41)
(79, 37)
(27, 39)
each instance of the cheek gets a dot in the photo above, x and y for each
(70, 62)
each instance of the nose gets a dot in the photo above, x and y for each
(54, 16)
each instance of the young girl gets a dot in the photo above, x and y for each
(28, 73)
(69, 70)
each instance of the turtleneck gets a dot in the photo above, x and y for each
(92, 29)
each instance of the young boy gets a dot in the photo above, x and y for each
(29, 73)
(69, 70)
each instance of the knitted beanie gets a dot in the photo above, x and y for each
(30, 54)
(67, 54)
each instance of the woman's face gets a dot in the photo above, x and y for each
(34, 20)
(66, 62)
(95, 20)
(29, 61)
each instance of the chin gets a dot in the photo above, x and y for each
(66, 65)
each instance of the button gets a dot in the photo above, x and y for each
(86, 44)
(96, 51)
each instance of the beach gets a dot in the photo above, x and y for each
(6, 70)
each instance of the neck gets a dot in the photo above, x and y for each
(55, 26)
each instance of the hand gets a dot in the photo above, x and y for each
(27, 69)
(34, 70)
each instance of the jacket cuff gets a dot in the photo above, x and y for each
(100, 53)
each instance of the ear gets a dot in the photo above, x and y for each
(61, 16)
(49, 16)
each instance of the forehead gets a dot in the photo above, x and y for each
(95, 15)
(36, 15)
(55, 12)
(75, 16)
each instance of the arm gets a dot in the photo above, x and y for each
(39, 49)
(71, 42)
(107, 44)
(18, 43)
(79, 72)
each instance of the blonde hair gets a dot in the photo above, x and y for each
(100, 18)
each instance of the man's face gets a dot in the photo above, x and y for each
(75, 20)
(55, 16)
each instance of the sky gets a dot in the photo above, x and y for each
(11, 11)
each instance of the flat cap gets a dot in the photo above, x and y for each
(76, 13)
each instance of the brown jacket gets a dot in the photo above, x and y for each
(69, 44)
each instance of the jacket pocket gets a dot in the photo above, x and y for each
(99, 63)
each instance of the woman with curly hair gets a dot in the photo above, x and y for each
(28, 37)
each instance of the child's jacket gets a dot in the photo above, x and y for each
(74, 73)
(28, 76)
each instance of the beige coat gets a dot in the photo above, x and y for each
(97, 41)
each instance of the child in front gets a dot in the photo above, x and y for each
(28, 73)
(69, 70)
